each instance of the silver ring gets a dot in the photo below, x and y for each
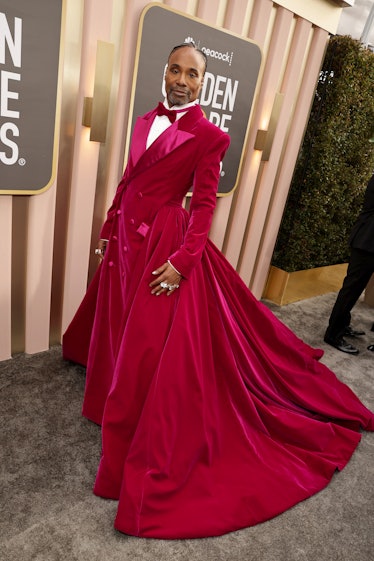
(98, 251)
(164, 285)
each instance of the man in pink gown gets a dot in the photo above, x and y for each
(214, 415)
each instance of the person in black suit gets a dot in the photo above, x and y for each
(360, 269)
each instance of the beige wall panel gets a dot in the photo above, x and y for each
(39, 270)
(291, 150)
(269, 86)
(264, 186)
(96, 25)
(324, 14)
(186, 6)
(210, 11)
(238, 16)
(6, 276)
(252, 245)
(260, 23)
(72, 41)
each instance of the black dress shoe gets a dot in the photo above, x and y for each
(349, 332)
(342, 345)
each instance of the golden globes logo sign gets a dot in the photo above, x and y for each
(29, 64)
(229, 83)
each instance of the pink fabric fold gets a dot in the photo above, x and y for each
(215, 416)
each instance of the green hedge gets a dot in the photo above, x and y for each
(334, 164)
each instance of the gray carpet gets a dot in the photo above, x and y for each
(49, 455)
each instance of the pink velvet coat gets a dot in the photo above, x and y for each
(214, 415)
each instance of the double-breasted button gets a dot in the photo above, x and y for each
(125, 248)
(111, 264)
(114, 238)
(132, 221)
(119, 211)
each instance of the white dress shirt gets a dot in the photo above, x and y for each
(162, 122)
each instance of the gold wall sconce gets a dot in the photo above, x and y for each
(264, 138)
(96, 108)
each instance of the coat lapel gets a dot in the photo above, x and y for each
(139, 137)
(176, 135)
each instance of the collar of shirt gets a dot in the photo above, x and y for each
(161, 122)
(180, 107)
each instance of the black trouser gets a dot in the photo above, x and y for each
(360, 269)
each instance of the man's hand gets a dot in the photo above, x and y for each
(100, 249)
(167, 280)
